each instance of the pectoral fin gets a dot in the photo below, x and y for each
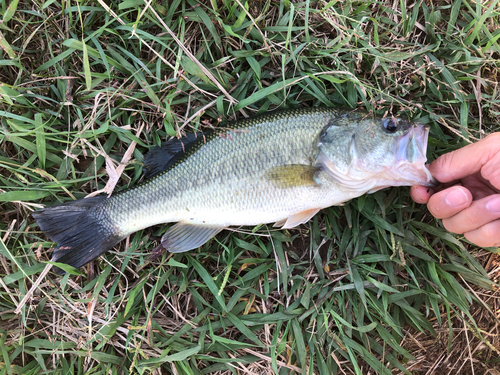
(183, 237)
(299, 218)
(292, 175)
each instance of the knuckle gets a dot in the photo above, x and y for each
(444, 165)
(491, 174)
(491, 170)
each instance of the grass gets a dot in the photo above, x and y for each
(375, 286)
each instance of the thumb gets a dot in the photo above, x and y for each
(482, 156)
(491, 169)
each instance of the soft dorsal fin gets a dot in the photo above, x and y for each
(292, 175)
(160, 158)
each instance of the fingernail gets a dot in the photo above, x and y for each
(494, 205)
(456, 197)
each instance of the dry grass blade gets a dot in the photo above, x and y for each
(35, 285)
(195, 60)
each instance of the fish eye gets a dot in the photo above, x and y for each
(390, 125)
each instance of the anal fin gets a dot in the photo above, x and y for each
(183, 237)
(280, 223)
(299, 218)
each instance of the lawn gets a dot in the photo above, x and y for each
(376, 286)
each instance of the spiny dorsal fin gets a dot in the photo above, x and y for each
(292, 175)
(160, 158)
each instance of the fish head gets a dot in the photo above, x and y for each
(363, 153)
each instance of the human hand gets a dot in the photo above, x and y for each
(468, 202)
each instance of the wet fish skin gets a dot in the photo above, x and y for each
(279, 167)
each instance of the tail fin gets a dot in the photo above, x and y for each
(81, 228)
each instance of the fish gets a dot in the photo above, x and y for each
(280, 167)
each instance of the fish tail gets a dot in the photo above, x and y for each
(82, 229)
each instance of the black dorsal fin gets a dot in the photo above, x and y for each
(160, 158)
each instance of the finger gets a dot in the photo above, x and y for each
(421, 194)
(491, 170)
(449, 202)
(486, 236)
(479, 187)
(478, 214)
(469, 160)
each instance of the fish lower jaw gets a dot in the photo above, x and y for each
(412, 174)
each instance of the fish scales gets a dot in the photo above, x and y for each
(233, 190)
(280, 167)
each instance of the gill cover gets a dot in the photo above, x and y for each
(367, 154)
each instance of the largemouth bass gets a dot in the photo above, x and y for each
(280, 167)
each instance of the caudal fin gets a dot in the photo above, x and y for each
(81, 228)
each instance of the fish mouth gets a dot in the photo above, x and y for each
(410, 151)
